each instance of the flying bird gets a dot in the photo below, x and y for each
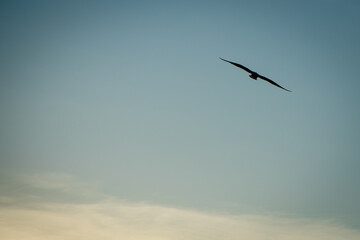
(255, 75)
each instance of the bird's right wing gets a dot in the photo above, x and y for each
(272, 82)
(238, 65)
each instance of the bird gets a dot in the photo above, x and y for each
(255, 75)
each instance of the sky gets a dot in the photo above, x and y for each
(116, 113)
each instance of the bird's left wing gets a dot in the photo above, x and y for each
(272, 82)
(238, 65)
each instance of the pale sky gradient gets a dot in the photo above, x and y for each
(131, 96)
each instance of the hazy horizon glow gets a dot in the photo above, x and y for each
(45, 217)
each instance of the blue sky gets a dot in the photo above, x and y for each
(131, 96)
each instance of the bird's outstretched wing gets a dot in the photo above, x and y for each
(272, 82)
(238, 65)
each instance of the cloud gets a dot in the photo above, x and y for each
(122, 220)
(110, 218)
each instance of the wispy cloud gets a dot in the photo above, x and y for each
(114, 219)
(37, 188)
(59, 181)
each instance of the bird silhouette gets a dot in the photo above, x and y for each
(255, 75)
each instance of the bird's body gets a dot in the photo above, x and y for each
(255, 75)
